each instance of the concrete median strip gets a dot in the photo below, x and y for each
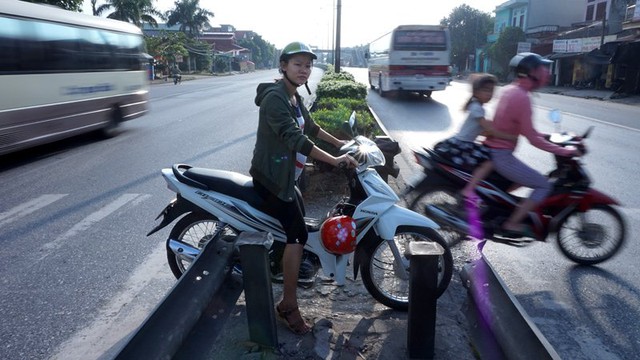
(500, 328)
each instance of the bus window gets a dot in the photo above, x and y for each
(419, 40)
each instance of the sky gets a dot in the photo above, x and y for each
(313, 21)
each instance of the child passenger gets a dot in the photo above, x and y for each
(462, 149)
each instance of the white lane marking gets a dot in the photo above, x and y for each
(124, 312)
(89, 221)
(28, 208)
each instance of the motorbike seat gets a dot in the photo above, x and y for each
(226, 182)
(235, 185)
(439, 159)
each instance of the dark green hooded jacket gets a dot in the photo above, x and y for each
(278, 140)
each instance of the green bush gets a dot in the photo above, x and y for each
(341, 89)
(332, 103)
(341, 76)
(337, 96)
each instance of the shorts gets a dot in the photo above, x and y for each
(290, 214)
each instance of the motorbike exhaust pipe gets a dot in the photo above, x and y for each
(183, 251)
(450, 219)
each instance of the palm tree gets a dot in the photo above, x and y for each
(191, 17)
(134, 11)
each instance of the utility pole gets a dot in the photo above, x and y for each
(604, 23)
(337, 48)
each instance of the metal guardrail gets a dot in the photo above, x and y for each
(166, 329)
(193, 313)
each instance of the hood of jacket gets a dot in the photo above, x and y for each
(265, 88)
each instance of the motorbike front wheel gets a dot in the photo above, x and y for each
(447, 198)
(379, 272)
(593, 236)
(194, 230)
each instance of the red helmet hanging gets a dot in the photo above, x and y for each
(338, 235)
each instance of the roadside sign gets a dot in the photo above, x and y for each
(524, 47)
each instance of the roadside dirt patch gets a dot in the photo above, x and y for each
(322, 189)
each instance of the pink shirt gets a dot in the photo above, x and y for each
(513, 116)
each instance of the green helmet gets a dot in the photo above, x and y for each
(296, 47)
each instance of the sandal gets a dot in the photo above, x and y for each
(299, 326)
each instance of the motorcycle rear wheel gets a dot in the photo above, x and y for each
(442, 196)
(195, 230)
(591, 237)
(380, 278)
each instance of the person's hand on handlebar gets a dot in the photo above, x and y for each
(346, 161)
(577, 150)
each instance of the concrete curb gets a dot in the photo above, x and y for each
(500, 328)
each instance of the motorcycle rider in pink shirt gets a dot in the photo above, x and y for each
(513, 116)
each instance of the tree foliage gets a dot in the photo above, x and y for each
(72, 5)
(468, 28)
(191, 17)
(221, 63)
(263, 52)
(136, 12)
(167, 46)
(504, 49)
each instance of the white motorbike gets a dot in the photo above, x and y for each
(219, 205)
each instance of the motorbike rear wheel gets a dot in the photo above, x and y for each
(593, 236)
(447, 198)
(194, 230)
(378, 267)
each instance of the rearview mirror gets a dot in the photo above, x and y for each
(556, 117)
(351, 127)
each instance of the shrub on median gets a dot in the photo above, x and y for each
(338, 94)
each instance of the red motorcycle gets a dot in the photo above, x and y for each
(587, 226)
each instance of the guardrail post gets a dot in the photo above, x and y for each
(256, 279)
(423, 285)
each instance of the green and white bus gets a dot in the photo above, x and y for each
(412, 58)
(64, 73)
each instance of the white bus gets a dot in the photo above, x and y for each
(410, 58)
(64, 73)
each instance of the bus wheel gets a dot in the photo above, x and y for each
(370, 84)
(427, 93)
(380, 91)
(115, 118)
